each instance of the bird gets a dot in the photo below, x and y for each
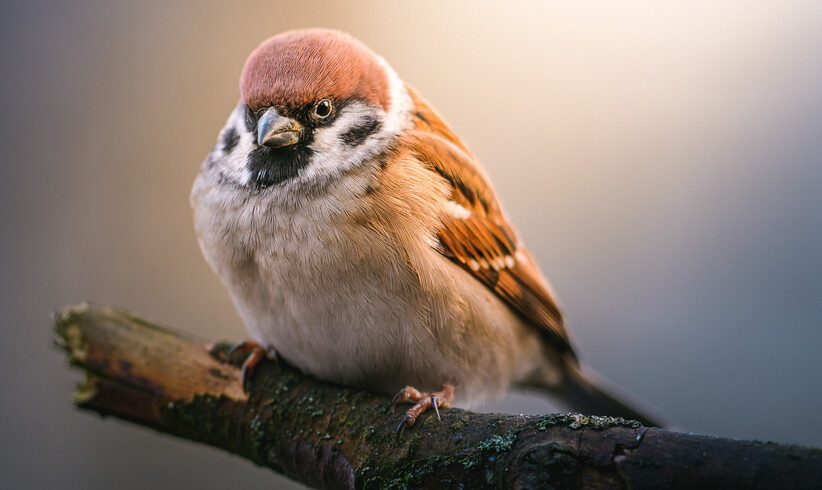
(363, 243)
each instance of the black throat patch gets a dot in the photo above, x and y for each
(271, 166)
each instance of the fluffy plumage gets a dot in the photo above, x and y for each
(374, 252)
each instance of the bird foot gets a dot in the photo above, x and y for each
(256, 353)
(424, 402)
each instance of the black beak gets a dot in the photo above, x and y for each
(276, 131)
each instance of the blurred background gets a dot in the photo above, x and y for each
(666, 172)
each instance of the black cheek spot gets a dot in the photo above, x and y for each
(230, 139)
(357, 134)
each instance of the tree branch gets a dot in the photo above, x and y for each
(334, 437)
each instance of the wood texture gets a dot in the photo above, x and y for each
(334, 437)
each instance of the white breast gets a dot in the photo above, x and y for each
(340, 299)
(334, 302)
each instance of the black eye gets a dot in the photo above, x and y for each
(323, 109)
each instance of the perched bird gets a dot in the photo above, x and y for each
(361, 240)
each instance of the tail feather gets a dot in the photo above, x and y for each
(585, 394)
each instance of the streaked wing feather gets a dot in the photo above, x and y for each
(476, 235)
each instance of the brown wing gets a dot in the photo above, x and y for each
(476, 235)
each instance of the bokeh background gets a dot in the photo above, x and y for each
(663, 163)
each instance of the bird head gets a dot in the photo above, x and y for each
(315, 103)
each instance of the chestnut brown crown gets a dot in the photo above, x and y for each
(299, 67)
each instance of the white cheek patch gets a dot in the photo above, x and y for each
(399, 112)
(332, 155)
(230, 155)
(359, 133)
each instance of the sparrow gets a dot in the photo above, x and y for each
(362, 241)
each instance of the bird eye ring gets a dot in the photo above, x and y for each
(323, 109)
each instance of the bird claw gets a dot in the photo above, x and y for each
(250, 365)
(405, 394)
(395, 400)
(405, 422)
(243, 346)
(257, 354)
(424, 402)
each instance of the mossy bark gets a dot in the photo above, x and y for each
(335, 437)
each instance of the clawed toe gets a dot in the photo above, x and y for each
(442, 398)
(405, 422)
(406, 394)
(434, 404)
(257, 354)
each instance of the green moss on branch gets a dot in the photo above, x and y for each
(335, 437)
